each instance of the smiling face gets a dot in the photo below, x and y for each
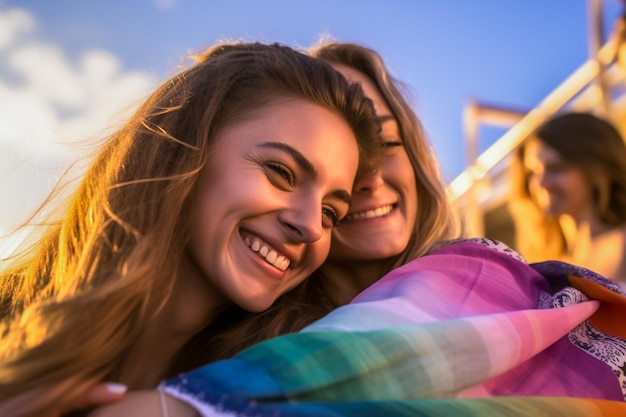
(556, 186)
(268, 198)
(384, 202)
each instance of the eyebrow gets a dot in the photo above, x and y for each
(305, 165)
(297, 156)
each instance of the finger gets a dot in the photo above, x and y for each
(104, 393)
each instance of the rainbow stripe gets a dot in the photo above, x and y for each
(465, 331)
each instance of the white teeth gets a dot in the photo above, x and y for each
(270, 255)
(371, 214)
(282, 263)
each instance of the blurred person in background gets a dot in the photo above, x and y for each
(570, 194)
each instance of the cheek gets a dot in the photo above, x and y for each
(202, 233)
(534, 186)
(318, 252)
(580, 189)
(406, 180)
(575, 181)
(568, 183)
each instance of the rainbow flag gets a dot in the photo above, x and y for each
(468, 330)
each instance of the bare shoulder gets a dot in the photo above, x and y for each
(621, 231)
(607, 254)
(612, 240)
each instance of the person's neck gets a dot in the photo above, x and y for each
(580, 231)
(151, 357)
(148, 361)
(345, 280)
(188, 311)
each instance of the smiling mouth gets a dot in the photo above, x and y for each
(267, 253)
(370, 214)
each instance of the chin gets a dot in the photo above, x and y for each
(377, 255)
(255, 308)
(256, 305)
(391, 249)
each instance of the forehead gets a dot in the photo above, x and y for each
(307, 127)
(536, 151)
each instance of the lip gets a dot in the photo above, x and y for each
(370, 213)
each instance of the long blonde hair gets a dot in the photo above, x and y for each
(77, 300)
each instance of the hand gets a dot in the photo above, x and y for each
(146, 403)
(99, 394)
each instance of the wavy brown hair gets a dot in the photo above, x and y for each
(592, 145)
(76, 300)
(436, 221)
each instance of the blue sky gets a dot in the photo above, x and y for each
(70, 68)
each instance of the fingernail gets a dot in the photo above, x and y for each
(116, 388)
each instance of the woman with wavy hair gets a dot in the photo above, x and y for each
(399, 211)
(217, 196)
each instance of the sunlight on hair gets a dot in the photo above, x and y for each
(8, 243)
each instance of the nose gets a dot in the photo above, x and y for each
(304, 223)
(540, 180)
(369, 182)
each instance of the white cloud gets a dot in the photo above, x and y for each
(13, 24)
(44, 69)
(50, 106)
(26, 121)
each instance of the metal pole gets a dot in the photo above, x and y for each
(595, 17)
